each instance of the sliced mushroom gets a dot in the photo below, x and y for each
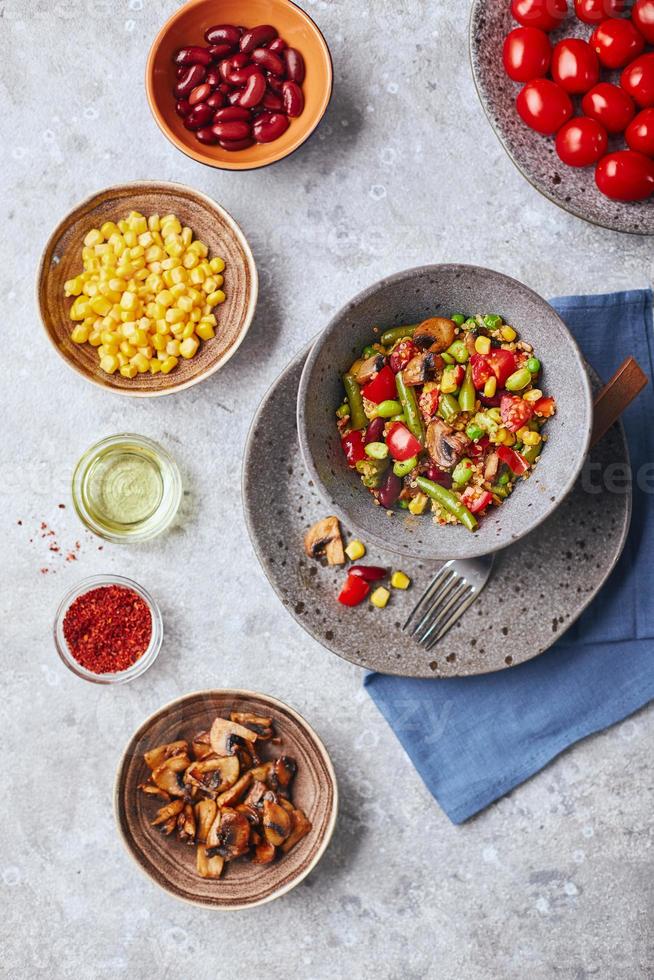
(231, 838)
(324, 538)
(260, 725)
(168, 827)
(233, 795)
(201, 745)
(155, 757)
(283, 770)
(205, 814)
(435, 334)
(288, 806)
(261, 773)
(444, 444)
(247, 756)
(168, 776)
(491, 467)
(151, 789)
(252, 813)
(301, 825)
(421, 368)
(256, 793)
(276, 820)
(213, 775)
(226, 736)
(264, 853)
(168, 811)
(186, 824)
(208, 867)
(365, 370)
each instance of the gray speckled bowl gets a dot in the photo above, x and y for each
(534, 155)
(408, 297)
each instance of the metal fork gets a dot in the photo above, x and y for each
(455, 586)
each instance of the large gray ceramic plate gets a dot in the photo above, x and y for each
(539, 587)
(534, 155)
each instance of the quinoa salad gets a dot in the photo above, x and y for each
(445, 416)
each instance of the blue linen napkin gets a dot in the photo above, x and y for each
(487, 734)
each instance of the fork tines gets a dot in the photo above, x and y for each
(445, 599)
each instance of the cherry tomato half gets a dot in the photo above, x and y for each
(543, 105)
(643, 18)
(546, 14)
(625, 176)
(595, 11)
(609, 105)
(640, 133)
(638, 80)
(617, 42)
(575, 66)
(581, 142)
(527, 52)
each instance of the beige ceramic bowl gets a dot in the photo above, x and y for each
(62, 260)
(171, 863)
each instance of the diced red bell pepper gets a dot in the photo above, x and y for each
(428, 403)
(545, 407)
(382, 388)
(402, 354)
(401, 443)
(481, 371)
(353, 447)
(354, 591)
(516, 463)
(502, 363)
(476, 504)
(477, 449)
(370, 573)
(515, 412)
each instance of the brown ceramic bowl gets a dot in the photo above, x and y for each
(187, 26)
(171, 863)
(62, 260)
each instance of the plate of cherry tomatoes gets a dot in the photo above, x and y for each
(568, 86)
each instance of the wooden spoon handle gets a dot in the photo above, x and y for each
(627, 382)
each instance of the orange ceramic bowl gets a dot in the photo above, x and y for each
(187, 26)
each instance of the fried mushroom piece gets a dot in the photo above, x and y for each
(445, 445)
(208, 867)
(233, 795)
(155, 757)
(435, 334)
(201, 745)
(283, 771)
(324, 539)
(171, 809)
(151, 789)
(422, 368)
(231, 838)
(368, 368)
(264, 853)
(213, 775)
(260, 725)
(186, 824)
(257, 792)
(168, 776)
(205, 814)
(226, 736)
(492, 466)
(276, 820)
(301, 826)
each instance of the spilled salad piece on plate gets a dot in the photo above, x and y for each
(444, 416)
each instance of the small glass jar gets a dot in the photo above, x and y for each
(126, 488)
(146, 659)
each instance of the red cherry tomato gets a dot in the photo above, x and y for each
(616, 42)
(609, 105)
(643, 18)
(638, 80)
(401, 443)
(543, 105)
(595, 11)
(516, 463)
(515, 412)
(640, 133)
(546, 14)
(481, 370)
(581, 142)
(625, 176)
(503, 363)
(575, 66)
(527, 52)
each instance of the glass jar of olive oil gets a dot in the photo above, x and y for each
(126, 488)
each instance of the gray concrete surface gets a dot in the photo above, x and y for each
(554, 881)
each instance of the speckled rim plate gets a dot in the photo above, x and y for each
(534, 155)
(562, 564)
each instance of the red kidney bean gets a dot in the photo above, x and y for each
(253, 92)
(274, 83)
(235, 129)
(391, 489)
(213, 78)
(207, 135)
(220, 51)
(241, 75)
(216, 100)
(223, 34)
(194, 55)
(293, 99)
(277, 45)
(240, 60)
(437, 475)
(194, 76)
(200, 115)
(232, 64)
(235, 97)
(268, 60)
(224, 88)
(370, 573)
(256, 37)
(232, 113)
(180, 70)
(269, 126)
(375, 431)
(199, 94)
(294, 65)
(236, 144)
(182, 107)
(272, 101)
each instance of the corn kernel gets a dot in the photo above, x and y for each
(399, 580)
(172, 348)
(188, 331)
(215, 298)
(187, 235)
(108, 229)
(177, 289)
(80, 334)
(190, 260)
(356, 549)
(178, 275)
(122, 359)
(168, 365)
(128, 371)
(128, 348)
(94, 237)
(533, 395)
(184, 303)
(154, 224)
(109, 363)
(217, 264)
(210, 318)
(188, 347)
(140, 362)
(490, 387)
(508, 333)
(210, 285)
(94, 338)
(174, 316)
(197, 275)
(146, 351)
(380, 597)
(159, 342)
(482, 345)
(128, 301)
(418, 503)
(532, 438)
(155, 366)
(205, 331)
(73, 287)
(196, 315)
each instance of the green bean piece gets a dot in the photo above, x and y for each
(493, 321)
(403, 468)
(459, 351)
(399, 418)
(448, 501)
(398, 333)
(533, 365)
(343, 410)
(372, 472)
(531, 453)
(462, 472)
(447, 358)
(518, 380)
(369, 351)
(358, 418)
(458, 318)
(376, 450)
(385, 410)
(474, 431)
(448, 407)
(410, 406)
(467, 394)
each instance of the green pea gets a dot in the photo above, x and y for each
(459, 351)
(518, 380)
(402, 468)
(493, 321)
(471, 322)
(388, 408)
(474, 431)
(503, 479)
(343, 410)
(533, 365)
(369, 351)
(376, 450)
(458, 318)
(403, 504)
(447, 358)
(462, 472)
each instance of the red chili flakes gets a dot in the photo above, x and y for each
(108, 629)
